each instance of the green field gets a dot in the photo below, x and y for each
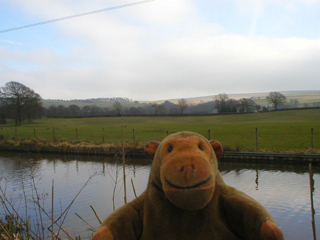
(278, 131)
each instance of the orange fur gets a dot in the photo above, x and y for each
(270, 231)
(103, 233)
(186, 198)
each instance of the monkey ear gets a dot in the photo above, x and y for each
(151, 147)
(217, 147)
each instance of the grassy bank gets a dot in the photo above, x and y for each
(277, 131)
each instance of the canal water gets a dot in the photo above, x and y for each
(83, 183)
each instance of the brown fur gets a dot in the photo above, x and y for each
(186, 198)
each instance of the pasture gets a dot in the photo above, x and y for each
(283, 131)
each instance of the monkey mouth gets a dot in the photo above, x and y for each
(188, 187)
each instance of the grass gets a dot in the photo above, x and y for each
(283, 131)
(18, 224)
(11, 229)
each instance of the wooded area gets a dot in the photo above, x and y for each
(21, 103)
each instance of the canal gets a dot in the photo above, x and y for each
(83, 185)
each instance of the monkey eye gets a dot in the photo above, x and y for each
(200, 147)
(170, 148)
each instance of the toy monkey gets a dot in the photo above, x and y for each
(186, 198)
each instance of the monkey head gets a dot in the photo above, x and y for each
(185, 167)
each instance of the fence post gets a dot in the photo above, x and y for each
(209, 134)
(312, 138)
(257, 140)
(54, 134)
(133, 136)
(123, 163)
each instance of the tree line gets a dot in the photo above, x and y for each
(219, 104)
(21, 103)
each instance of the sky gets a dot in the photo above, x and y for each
(160, 49)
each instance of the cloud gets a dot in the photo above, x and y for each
(232, 63)
(181, 67)
(158, 50)
(165, 12)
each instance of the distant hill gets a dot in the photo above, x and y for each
(304, 97)
(100, 102)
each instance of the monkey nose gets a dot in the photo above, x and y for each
(183, 168)
(187, 172)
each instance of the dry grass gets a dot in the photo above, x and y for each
(41, 145)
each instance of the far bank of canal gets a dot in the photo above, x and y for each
(138, 152)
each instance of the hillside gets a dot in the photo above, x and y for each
(303, 97)
(260, 98)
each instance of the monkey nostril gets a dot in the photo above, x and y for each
(182, 169)
(193, 167)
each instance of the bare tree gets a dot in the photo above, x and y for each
(32, 111)
(3, 111)
(294, 103)
(155, 105)
(232, 105)
(23, 100)
(118, 107)
(183, 104)
(316, 104)
(221, 102)
(276, 98)
(224, 104)
(74, 110)
(246, 105)
(162, 109)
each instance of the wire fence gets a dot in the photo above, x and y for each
(258, 139)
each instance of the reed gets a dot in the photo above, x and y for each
(17, 226)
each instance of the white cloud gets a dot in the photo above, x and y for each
(164, 12)
(161, 49)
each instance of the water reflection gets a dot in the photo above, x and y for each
(313, 212)
(257, 180)
(285, 190)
